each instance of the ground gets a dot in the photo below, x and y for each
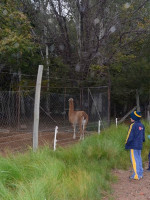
(126, 189)
(19, 142)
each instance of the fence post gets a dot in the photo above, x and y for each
(99, 125)
(55, 140)
(36, 108)
(116, 122)
(148, 116)
(18, 113)
(127, 115)
(137, 100)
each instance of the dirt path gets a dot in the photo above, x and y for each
(126, 189)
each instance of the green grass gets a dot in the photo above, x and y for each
(79, 172)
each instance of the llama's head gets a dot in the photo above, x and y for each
(70, 100)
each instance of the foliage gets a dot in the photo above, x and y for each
(15, 37)
(89, 43)
(18, 51)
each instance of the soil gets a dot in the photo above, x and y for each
(20, 142)
(126, 189)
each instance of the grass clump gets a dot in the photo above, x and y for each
(82, 171)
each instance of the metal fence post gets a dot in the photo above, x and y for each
(55, 140)
(116, 122)
(36, 108)
(99, 127)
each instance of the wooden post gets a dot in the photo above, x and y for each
(109, 105)
(64, 105)
(36, 108)
(18, 117)
(88, 103)
(99, 127)
(148, 116)
(80, 98)
(137, 100)
(127, 115)
(148, 109)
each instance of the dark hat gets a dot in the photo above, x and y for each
(135, 115)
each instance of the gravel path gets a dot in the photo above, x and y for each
(126, 189)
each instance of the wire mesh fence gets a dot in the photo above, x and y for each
(17, 109)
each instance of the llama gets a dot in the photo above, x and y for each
(77, 117)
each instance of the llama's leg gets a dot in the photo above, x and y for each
(81, 129)
(74, 131)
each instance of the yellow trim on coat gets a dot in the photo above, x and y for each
(134, 164)
(129, 132)
(136, 114)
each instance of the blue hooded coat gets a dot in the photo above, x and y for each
(136, 136)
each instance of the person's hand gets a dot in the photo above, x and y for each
(148, 137)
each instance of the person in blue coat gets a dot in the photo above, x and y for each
(134, 143)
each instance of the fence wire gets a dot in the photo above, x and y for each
(17, 109)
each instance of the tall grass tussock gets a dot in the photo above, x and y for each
(80, 172)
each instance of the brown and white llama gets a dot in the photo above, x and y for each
(77, 118)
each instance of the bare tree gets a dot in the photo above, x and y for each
(87, 32)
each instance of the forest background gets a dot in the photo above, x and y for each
(81, 43)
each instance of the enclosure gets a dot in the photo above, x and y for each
(17, 113)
